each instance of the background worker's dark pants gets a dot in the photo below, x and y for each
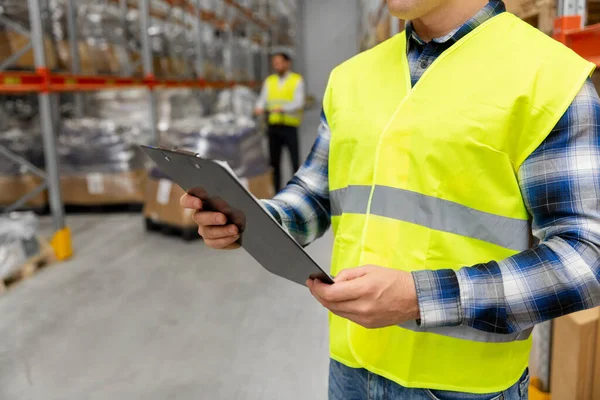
(281, 136)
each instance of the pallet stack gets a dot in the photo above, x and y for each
(22, 252)
(20, 134)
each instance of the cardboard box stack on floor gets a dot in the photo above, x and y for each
(101, 164)
(575, 368)
(162, 206)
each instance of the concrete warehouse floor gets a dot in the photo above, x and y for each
(143, 316)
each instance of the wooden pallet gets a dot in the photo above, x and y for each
(31, 267)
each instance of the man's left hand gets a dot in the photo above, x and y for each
(371, 296)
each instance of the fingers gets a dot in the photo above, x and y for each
(218, 232)
(338, 292)
(208, 218)
(221, 243)
(350, 274)
(189, 201)
(211, 225)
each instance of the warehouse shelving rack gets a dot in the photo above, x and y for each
(570, 29)
(47, 83)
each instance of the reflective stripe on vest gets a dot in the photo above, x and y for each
(468, 333)
(433, 213)
(425, 176)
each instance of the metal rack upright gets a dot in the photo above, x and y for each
(47, 83)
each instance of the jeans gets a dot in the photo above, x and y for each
(359, 384)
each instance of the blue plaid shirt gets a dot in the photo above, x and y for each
(560, 184)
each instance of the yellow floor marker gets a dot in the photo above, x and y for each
(535, 393)
(61, 243)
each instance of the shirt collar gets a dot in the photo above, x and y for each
(493, 8)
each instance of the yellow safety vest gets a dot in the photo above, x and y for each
(425, 177)
(278, 95)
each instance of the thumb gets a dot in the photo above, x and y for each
(350, 274)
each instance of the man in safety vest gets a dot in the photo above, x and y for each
(436, 150)
(282, 96)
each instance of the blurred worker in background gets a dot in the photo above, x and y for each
(437, 148)
(282, 99)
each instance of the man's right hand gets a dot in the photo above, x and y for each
(258, 112)
(212, 225)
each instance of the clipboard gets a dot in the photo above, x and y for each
(260, 234)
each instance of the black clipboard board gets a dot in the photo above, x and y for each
(260, 234)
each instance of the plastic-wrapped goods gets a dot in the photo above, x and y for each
(89, 145)
(214, 55)
(12, 41)
(242, 53)
(224, 137)
(100, 162)
(376, 23)
(16, 10)
(123, 107)
(284, 15)
(18, 241)
(131, 107)
(171, 45)
(180, 51)
(176, 104)
(101, 26)
(20, 134)
(102, 44)
(24, 141)
(240, 101)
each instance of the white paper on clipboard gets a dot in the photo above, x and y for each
(244, 183)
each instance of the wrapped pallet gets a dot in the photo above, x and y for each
(283, 15)
(100, 162)
(18, 242)
(20, 135)
(11, 41)
(225, 136)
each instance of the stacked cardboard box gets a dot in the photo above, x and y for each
(11, 42)
(162, 206)
(104, 188)
(576, 356)
(12, 188)
(101, 164)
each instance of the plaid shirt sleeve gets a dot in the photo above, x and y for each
(303, 207)
(560, 182)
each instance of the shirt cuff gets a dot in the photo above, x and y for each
(438, 294)
(276, 213)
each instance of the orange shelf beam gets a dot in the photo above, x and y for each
(19, 82)
(583, 41)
